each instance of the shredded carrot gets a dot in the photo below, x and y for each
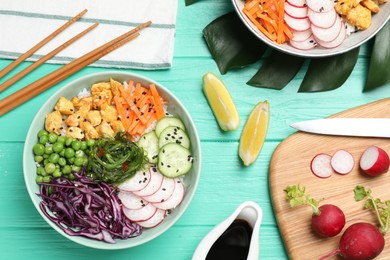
(157, 102)
(268, 17)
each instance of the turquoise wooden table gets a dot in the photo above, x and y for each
(224, 183)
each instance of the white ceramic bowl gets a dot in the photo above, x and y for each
(351, 42)
(175, 107)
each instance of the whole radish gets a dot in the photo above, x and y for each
(327, 220)
(374, 161)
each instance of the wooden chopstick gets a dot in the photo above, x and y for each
(39, 62)
(53, 78)
(36, 47)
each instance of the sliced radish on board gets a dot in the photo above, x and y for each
(137, 182)
(342, 162)
(156, 219)
(175, 199)
(320, 5)
(156, 179)
(336, 42)
(141, 214)
(164, 192)
(320, 165)
(131, 201)
(327, 34)
(300, 36)
(307, 44)
(295, 11)
(297, 3)
(297, 24)
(374, 161)
(323, 19)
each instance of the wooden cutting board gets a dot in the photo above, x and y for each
(290, 165)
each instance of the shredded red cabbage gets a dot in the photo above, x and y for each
(86, 208)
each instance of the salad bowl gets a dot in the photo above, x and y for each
(174, 107)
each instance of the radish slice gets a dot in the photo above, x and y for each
(374, 161)
(131, 201)
(320, 165)
(137, 182)
(320, 5)
(342, 162)
(336, 42)
(156, 219)
(141, 214)
(323, 19)
(294, 11)
(156, 179)
(300, 36)
(327, 34)
(297, 3)
(307, 44)
(175, 199)
(164, 192)
(297, 24)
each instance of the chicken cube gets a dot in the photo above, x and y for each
(53, 122)
(359, 17)
(94, 117)
(104, 129)
(370, 5)
(89, 131)
(80, 115)
(108, 113)
(65, 106)
(78, 102)
(115, 87)
(75, 132)
(344, 6)
(101, 94)
(117, 126)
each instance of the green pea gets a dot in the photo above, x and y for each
(76, 168)
(49, 149)
(39, 149)
(44, 139)
(67, 169)
(78, 161)
(57, 173)
(38, 158)
(62, 153)
(76, 145)
(39, 170)
(58, 147)
(62, 161)
(50, 168)
(83, 145)
(90, 142)
(39, 179)
(69, 152)
(42, 132)
(71, 160)
(68, 141)
(61, 139)
(71, 177)
(46, 179)
(43, 172)
(46, 161)
(52, 138)
(54, 157)
(45, 156)
(79, 153)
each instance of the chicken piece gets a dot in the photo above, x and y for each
(104, 129)
(53, 122)
(89, 131)
(64, 106)
(370, 5)
(115, 87)
(101, 94)
(75, 132)
(359, 17)
(109, 113)
(344, 6)
(381, 2)
(78, 102)
(94, 117)
(80, 115)
(117, 126)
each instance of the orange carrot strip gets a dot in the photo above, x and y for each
(121, 111)
(250, 4)
(157, 101)
(260, 27)
(288, 32)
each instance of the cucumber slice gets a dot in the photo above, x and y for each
(149, 142)
(174, 160)
(174, 134)
(168, 121)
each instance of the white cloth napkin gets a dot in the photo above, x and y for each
(23, 23)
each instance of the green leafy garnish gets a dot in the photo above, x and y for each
(381, 208)
(296, 195)
(114, 160)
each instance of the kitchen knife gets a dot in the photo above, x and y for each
(367, 127)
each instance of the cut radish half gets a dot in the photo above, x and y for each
(175, 199)
(156, 219)
(320, 165)
(323, 19)
(300, 36)
(297, 24)
(164, 192)
(320, 5)
(137, 182)
(342, 162)
(297, 3)
(336, 42)
(374, 161)
(141, 214)
(327, 34)
(294, 11)
(307, 44)
(131, 201)
(156, 179)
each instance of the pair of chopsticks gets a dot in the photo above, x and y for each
(30, 91)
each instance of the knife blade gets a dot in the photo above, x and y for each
(365, 127)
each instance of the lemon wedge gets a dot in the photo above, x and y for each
(254, 133)
(221, 102)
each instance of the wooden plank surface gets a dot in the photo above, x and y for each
(290, 165)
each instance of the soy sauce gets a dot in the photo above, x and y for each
(233, 243)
